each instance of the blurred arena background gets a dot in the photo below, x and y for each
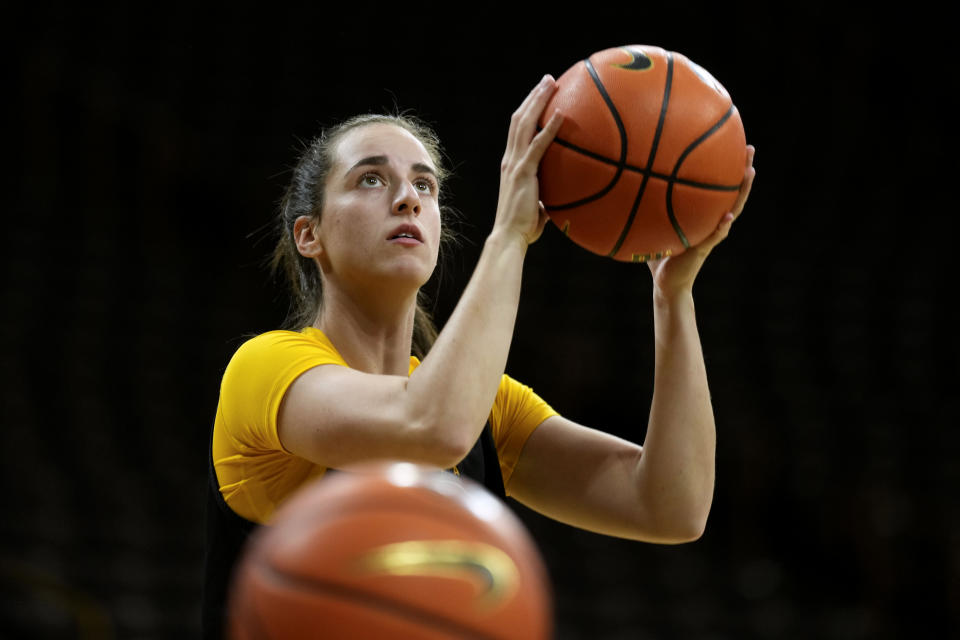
(147, 149)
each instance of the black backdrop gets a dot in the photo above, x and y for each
(148, 147)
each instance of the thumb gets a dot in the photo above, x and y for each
(720, 233)
(542, 218)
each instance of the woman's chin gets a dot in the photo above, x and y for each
(414, 272)
(404, 277)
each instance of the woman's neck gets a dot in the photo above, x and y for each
(373, 336)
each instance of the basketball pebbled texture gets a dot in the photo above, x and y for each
(650, 155)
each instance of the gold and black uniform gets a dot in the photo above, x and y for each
(251, 473)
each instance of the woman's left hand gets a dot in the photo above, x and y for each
(676, 274)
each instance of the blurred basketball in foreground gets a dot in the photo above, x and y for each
(391, 551)
(650, 155)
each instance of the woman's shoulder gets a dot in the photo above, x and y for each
(309, 336)
(285, 344)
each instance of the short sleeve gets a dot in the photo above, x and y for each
(517, 411)
(255, 473)
(257, 378)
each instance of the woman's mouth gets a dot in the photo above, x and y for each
(406, 234)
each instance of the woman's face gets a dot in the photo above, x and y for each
(380, 225)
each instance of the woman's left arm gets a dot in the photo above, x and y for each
(660, 492)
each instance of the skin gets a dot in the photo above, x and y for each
(337, 416)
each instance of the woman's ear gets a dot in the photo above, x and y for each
(307, 237)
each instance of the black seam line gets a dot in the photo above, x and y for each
(631, 168)
(676, 169)
(623, 142)
(378, 603)
(664, 105)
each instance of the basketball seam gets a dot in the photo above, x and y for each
(664, 105)
(358, 596)
(676, 169)
(633, 169)
(621, 164)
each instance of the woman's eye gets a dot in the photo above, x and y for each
(424, 185)
(371, 179)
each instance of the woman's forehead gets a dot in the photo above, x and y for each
(381, 140)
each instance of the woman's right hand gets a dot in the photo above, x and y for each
(519, 210)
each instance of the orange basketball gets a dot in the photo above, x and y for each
(650, 155)
(391, 551)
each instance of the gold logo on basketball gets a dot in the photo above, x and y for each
(493, 573)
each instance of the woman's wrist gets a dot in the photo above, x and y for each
(505, 239)
(676, 300)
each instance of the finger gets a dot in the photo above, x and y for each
(541, 141)
(719, 234)
(537, 90)
(532, 110)
(723, 229)
(747, 184)
(542, 219)
(517, 120)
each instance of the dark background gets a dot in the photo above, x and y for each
(148, 148)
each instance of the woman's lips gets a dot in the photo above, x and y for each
(407, 234)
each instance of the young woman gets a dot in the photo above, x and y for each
(362, 226)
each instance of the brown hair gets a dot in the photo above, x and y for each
(304, 197)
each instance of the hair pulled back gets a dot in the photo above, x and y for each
(304, 196)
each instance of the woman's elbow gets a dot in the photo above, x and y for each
(689, 531)
(692, 527)
(439, 445)
(679, 528)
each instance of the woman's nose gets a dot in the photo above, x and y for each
(407, 200)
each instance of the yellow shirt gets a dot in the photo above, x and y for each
(256, 473)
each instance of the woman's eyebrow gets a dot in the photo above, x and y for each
(419, 167)
(377, 161)
(369, 160)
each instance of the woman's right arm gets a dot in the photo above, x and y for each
(336, 416)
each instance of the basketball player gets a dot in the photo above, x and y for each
(361, 227)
